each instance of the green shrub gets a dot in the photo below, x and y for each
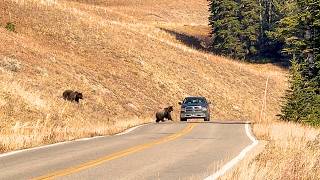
(11, 27)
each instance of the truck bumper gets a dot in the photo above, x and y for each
(194, 115)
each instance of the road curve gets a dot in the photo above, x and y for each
(155, 151)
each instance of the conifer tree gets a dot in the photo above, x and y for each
(301, 31)
(239, 27)
(249, 12)
(294, 96)
(226, 28)
(272, 11)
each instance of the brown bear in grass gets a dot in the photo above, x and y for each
(72, 95)
(166, 113)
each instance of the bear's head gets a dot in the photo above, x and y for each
(169, 109)
(78, 96)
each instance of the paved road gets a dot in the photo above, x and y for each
(155, 151)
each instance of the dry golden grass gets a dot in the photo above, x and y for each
(129, 58)
(292, 152)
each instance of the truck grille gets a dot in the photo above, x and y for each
(193, 109)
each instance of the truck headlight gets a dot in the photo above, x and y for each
(204, 109)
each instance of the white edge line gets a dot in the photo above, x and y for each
(67, 142)
(238, 158)
(129, 130)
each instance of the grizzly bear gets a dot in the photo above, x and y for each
(166, 113)
(72, 95)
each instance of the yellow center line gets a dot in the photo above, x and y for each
(126, 152)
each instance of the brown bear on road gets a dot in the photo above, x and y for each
(72, 95)
(166, 113)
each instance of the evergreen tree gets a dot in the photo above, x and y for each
(292, 108)
(249, 12)
(239, 27)
(272, 11)
(302, 102)
(301, 31)
(226, 28)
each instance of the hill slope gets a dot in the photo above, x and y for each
(129, 58)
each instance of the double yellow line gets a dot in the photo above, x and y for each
(116, 155)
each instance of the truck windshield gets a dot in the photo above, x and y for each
(194, 101)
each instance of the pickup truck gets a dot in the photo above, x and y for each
(194, 108)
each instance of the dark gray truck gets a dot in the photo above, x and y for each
(195, 108)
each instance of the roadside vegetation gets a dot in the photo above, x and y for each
(282, 31)
(10, 27)
(291, 152)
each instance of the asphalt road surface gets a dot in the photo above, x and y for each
(154, 151)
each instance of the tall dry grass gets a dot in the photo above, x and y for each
(292, 152)
(29, 134)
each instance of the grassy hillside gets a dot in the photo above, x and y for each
(130, 58)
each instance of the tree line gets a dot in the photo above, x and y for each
(260, 30)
